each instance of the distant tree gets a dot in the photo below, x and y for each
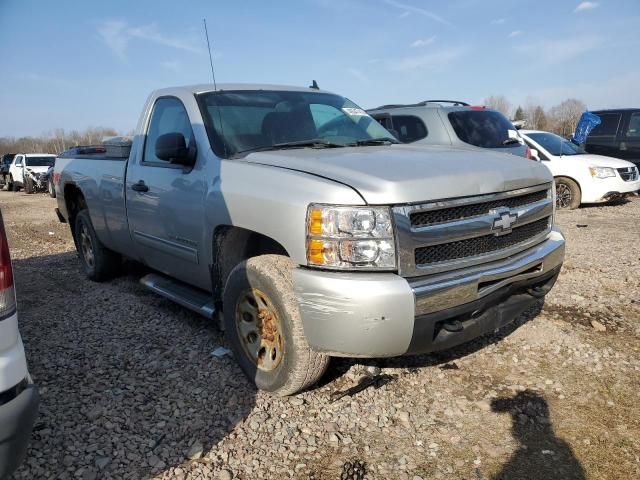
(519, 115)
(55, 141)
(536, 117)
(564, 116)
(499, 103)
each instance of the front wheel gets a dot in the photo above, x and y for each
(568, 194)
(12, 185)
(264, 328)
(98, 262)
(28, 186)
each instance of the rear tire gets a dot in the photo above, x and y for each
(52, 189)
(264, 327)
(568, 195)
(98, 262)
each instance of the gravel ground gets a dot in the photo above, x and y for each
(130, 388)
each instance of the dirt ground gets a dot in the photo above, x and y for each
(130, 388)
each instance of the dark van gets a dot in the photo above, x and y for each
(618, 135)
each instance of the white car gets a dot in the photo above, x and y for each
(29, 171)
(581, 177)
(19, 398)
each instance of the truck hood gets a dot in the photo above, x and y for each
(601, 160)
(396, 174)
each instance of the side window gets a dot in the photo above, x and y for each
(409, 128)
(19, 161)
(634, 125)
(609, 125)
(168, 116)
(384, 120)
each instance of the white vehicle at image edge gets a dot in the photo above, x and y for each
(582, 177)
(19, 398)
(29, 171)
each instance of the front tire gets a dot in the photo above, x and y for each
(51, 187)
(568, 195)
(12, 185)
(28, 186)
(264, 327)
(98, 262)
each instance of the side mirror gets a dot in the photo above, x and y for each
(172, 147)
(535, 155)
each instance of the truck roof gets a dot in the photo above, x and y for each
(208, 87)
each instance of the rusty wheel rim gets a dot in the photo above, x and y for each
(259, 330)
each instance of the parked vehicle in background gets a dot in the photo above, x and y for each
(582, 177)
(29, 171)
(618, 135)
(5, 162)
(19, 398)
(294, 213)
(454, 123)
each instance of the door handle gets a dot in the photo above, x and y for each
(140, 186)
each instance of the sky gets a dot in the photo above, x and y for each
(73, 64)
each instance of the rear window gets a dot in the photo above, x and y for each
(482, 128)
(609, 125)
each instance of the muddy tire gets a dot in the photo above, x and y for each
(98, 262)
(568, 195)
(264, 328)
(51, 188)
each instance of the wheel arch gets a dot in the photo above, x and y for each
(232, 245)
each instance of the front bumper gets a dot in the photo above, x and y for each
(383, 315)
(17, 417)
(604, 189)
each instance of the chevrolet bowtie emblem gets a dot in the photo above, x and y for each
(504, 221)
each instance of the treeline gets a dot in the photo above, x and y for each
(55, 141)
(560, 119)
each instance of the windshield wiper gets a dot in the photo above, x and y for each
(314, 143)
(373, 141)
(510, 141)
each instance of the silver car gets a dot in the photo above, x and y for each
(450, 122)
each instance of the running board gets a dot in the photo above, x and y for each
(189, 297)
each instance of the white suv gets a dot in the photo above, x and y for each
(19, 398)
(29, 171)
(581, 177)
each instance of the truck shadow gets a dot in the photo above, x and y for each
(540, 454)
(128, 383)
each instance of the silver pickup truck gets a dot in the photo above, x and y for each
(296, 216)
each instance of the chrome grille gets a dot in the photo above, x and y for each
(420, 219)
(480, 245)
(628, 174)
(446, 235)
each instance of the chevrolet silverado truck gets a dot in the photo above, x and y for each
(297, 217)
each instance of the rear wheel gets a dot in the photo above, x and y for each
(98, 262)
(568, 194)
(264, 328)
(12, 185)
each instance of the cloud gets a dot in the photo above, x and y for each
(436, 61)
(515, 33)
(354, 72)
(423, 42)
(551, 52)
(498, 21)
(586, 6)
(418, 10)
(117, 34)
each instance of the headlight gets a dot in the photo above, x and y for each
(602, 172)
(350, 237)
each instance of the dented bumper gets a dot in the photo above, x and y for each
(382, 314)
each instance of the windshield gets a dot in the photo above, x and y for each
(484, 128)
(244, 121)
(555, 144)
(39, 161)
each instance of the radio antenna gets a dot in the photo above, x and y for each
(213, 75)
